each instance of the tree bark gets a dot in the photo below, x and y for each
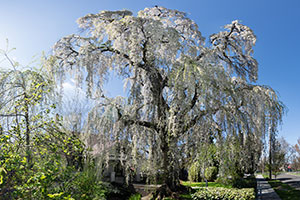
(169, 167)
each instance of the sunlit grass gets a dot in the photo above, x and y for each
(203, 184)
(188, 196)
(285, 191)
(294, 173)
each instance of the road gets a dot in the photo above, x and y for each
(292, 180)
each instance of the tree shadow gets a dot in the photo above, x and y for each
(283, 179)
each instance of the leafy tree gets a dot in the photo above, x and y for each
(39, 159)
(23, 94)
(276, 157)
(207, 158)
(296, 157)
(239, 154)
(179, 88)
(287, 150)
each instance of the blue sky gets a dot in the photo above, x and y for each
(33, 26)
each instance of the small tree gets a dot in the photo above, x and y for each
(296, 157)
(23, 112)
(288, 151)
(23, 95)
(278, 156)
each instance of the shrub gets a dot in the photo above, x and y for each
(211, 173)
(211, 193)
(121, 191)
(136, 196)
(224, 181)
(84, 185)
(249, 182)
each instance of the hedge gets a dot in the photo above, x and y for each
(215, 193)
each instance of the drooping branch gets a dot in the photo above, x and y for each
(235, 47)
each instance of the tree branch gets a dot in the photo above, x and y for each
(12, 115)
(128, 122)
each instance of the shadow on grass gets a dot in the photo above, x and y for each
(285, 191)
(283, 179)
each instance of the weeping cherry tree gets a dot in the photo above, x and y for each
(179, 88)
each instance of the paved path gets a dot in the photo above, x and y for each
(292, 180)
(265, 191)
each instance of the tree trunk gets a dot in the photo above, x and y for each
(270, 155)
(170, 182)
(27, 133)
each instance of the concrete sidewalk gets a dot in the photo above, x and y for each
(265, 191)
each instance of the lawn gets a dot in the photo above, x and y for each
(202, 184)
(285, 191)
(195, 185)
(294, 173)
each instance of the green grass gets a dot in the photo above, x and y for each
(197, 184)
(266, 175)
(188, 196)
(182, 196)
(294, 173)
(284, 191)
(202, 184)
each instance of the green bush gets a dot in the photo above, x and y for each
(136, 196)
(211, 173)
(48, 177)
(84, 185)
(194, 172)
(211, 193)
(249, 182)
(224, 181)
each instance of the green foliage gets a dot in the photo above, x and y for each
(51, 163)
(218, 193)
(278, 157)
(211, 173)
(135, 197)
(207, 159)
(195, 172)
(85, 185)
(249, 182)
(48, 178)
